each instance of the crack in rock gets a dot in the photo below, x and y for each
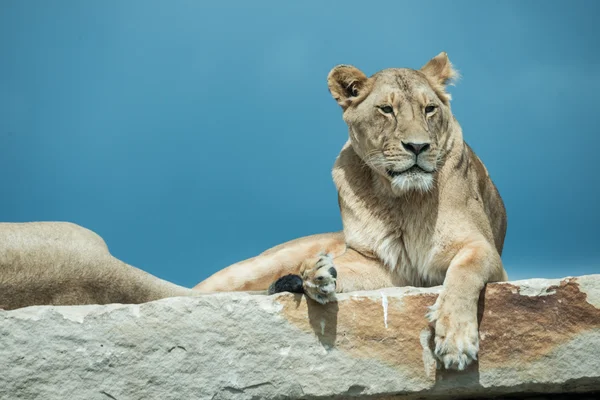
(176, 347)
(110, 396)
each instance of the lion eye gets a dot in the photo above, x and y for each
(319, 278)
(387, 109)
(430, 108)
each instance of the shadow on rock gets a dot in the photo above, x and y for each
(323, 320)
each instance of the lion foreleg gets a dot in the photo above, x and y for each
(257, 273)
(454, 314)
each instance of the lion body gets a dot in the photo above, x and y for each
(60, 263)
(409, 236)
(418, 207)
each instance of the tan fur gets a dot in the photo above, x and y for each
(443, 224)
(259, 272)
(60, 263)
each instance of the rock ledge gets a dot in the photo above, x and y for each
(537, 336)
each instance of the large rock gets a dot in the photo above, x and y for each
(537, 336)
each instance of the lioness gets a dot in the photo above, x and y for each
(418, 207)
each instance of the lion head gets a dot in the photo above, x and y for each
(398, 119)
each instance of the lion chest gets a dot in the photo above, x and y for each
(402, 232)
(410, 250)
(411, 256)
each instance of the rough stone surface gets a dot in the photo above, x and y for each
(538, 337)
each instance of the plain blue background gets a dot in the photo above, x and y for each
(191, 134)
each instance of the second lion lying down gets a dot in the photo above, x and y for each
(418, 208)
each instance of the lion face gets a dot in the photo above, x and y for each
(397, 119)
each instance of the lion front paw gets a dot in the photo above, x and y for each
(456, 336)
(320, 279)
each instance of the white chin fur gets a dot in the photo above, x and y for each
(403, 183)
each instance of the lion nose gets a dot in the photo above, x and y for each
(416, 148)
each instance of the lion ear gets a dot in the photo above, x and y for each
(439, 69)
(347, 85)
(440, 72)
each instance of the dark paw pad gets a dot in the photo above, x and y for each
(289, 283)
(333, 272)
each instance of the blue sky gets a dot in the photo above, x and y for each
(191, 134)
